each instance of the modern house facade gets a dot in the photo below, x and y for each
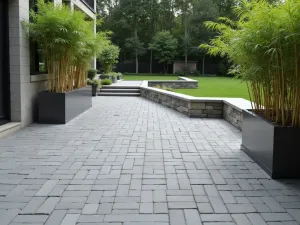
(22, 70)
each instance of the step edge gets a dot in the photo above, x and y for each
(9, 128)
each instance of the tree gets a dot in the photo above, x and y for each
(184, 7)
(109, 57)
(164, 46)
(203, 10)
(135, 23)
(166, 14)
(137, 48)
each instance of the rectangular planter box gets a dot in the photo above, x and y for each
(276, 149)
(60, 108)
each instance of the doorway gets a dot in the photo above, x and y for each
(4, 64)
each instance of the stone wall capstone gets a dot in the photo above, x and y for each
(182, 82)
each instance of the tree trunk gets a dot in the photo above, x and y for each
(136, 53)
(185, 59)
(186, 44)
(151, 62)
(203, 64)
(136, 63)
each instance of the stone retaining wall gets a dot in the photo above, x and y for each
(233, 115)
(184, 103)
(206, 109)
(182, 82)
(228, 108)
(170, 101)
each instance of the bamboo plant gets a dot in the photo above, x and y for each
(264, 47)
(68, 42)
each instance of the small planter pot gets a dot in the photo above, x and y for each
(60, 108)
(114, 79)
(94, 90)
(276, 149)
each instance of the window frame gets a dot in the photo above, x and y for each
(34, 51)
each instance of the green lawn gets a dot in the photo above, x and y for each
(208, 86)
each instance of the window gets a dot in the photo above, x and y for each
(37, 59)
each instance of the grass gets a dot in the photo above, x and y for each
(208, 86)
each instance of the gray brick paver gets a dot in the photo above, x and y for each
(31, 219)
(8, 216)
(33, 205)
(177, 217)
(192, 217)
(146, 207)
(273, 204)
(48, 205)
(90, 209)
(240, 208)
(130, 161)
(56, 217)
(47, 188)
(277, 217)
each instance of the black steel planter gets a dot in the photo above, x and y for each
(94, 90)
(60, 108)
(276, 149)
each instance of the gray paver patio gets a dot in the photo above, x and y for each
(129, 161)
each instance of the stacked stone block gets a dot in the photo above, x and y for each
(233, 116)
(191, 108)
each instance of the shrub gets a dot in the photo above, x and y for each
(197, 73)
(92, 73)
(94, 82)
(114, 74)
(264, 46)
(163, 87)
(106, 82)
(185, 71)
(180, 73)
(108, 57)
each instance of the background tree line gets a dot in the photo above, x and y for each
(142, 27)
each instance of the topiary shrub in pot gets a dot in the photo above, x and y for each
(264, 46)
(92, 73)
(69, 44)
(95, 84)
(114, 76)
(119, 76)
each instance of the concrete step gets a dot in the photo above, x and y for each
(119, 87)
(9, 128)
(120, 90)
(118, 94)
